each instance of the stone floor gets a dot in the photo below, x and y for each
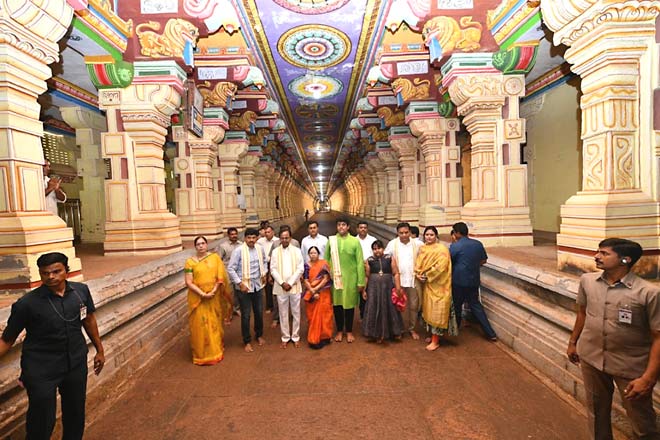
(468, 389)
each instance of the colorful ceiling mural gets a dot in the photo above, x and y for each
(316, 85)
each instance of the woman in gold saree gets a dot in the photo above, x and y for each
(433, 268)
(207, 280)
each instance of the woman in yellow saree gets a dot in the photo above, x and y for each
(207, 280)
(433, 268)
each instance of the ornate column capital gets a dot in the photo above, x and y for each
(574, 19)
(405, 146)
(485, 91)
(78, 117)
(389, 158)
(248, 162)
(423, 125)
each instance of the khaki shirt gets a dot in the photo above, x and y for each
(225, 249)
(607, 344)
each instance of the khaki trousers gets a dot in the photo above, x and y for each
(599, 387)
(412, 307)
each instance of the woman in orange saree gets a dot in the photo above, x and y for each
(207, 280)
(319, 300)
(433, 268)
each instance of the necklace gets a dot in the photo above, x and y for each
(60, 314)
(380, 262)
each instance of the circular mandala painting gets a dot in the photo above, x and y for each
(311, 7)
(314, 46)
(315, 86)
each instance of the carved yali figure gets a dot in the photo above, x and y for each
(446, 33)
(170, 43)
(409, 90)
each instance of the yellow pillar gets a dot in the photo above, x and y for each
(405, 145)
(613, 48)
(31, 31)
(498, 212)
(230, 152)
(247, 167)
(89, 125)
(261, 190)
(391, 166)
(137, 218)
(378, 175)
(197, 212)
(437, 139)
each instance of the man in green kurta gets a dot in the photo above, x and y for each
(344, 255)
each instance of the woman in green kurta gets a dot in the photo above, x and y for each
(344, 255)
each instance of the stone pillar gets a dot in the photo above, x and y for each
(247, 168)
(196, 158)
(230, 152)
(137, 219)
(405, 145)
(369, 198)
(498, 213)
(613, 48)
(89, 125)
(30, 31)
(279, 186)
(379, 178)
(262, 190)
(391, 166)
(271, 180)
(437, 139)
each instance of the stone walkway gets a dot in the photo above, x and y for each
(468, 389)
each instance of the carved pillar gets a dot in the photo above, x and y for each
(405, 145)
(196, 158)
(379, 176)
(247, 169)
(29, 44)
(437, 138)
(230, 152)
(89, 125)
(391, 166)
(279, 185)
(369, 199)
(271, 180)
(262, 190)
(613, 48)
(498, 212)
(137, 219)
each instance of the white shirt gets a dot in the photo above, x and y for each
(320, 241)
(51, 198)
(240, 201)
(405, 255)
(366, 245)
(288, 270)
(267, 245)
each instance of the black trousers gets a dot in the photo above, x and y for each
(344, 317)
(42, 402)
(251, 301)
(269, 296)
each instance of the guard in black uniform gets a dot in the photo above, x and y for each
(54, 356)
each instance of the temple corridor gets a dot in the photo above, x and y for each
(468, 389)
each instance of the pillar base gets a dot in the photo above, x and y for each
(438, 216)
(208, 225)
(23, 239)
(586, 219)
(233, 217)
(497, 226)
(391, 214)
(408, 214)
(151, 234)
(250, 219)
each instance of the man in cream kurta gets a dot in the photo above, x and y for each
(286, 268)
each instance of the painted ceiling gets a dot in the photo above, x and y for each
(315, 84)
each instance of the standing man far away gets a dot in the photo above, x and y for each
(225, 249)
(267, 242)
(404, 251)
(616, 339)
(247, 271)
(54, 193)
(467, 257)
(313, 239)
(54, 356)
(286, 267)
(366, 241)
(344, 255)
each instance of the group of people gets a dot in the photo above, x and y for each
(615, 339)
(392, 285)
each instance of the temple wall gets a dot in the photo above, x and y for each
(553, 140)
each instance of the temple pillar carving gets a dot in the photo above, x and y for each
(261, 190)
(405, 145)
(89, 125)
(376, 171)
(613, 48)
(27, 49)
(247, 168)
(391, 166)
(137, 218)
(196, 158)
(437, 139)
(230, 152)
(498, 212)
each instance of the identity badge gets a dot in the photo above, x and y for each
(83, 312)
(625, 315)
